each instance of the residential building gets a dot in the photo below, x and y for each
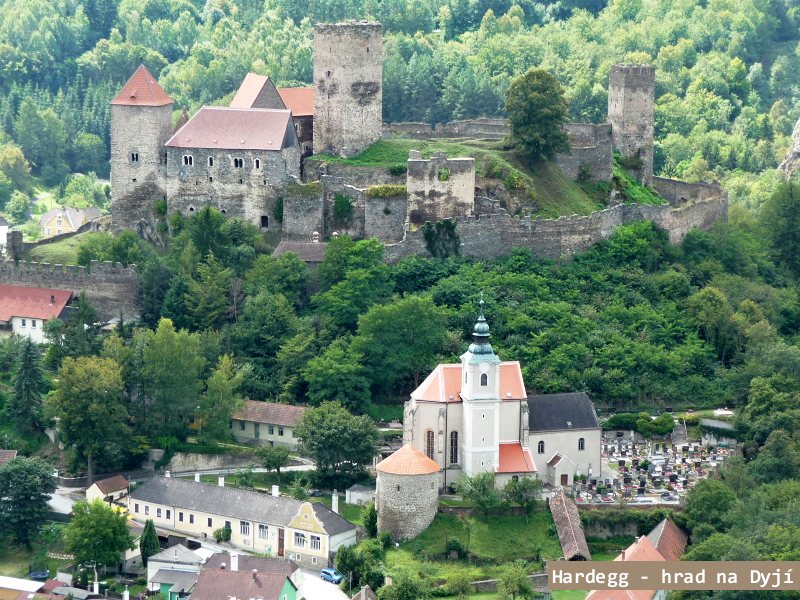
(108, 490)
(25, 310)
(246, 562)
(312, 253)
(476, 416)
(173, 584)
(177, 559)
(359, 494)
(306, 533)
(64, 219)
(224, 584)
(266, 423)
(365, 593)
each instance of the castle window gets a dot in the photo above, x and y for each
(191, 209)
(453, 447)
(429, 443)
(223, 211)
(484, 379)
(134, 157)
(265, 182)
(540, 448)
(134, 180)
(210, 161)
(264, 222)
(257, 163)
(581, 444)
(210, 180)
(188, 160)
(241, 181)
(238, 163)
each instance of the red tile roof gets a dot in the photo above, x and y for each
(444, 384)
(640, 550)
(218, 584)
(669, 539)
(408, 461)
(6, 456)
(142, 89)
(515, 459)
(298, 100)
(233, 129)
(270, 413)
(247, 94)
(112, 484)
(32, 302)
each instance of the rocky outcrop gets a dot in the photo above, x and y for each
(791, 164)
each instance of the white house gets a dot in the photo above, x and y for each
(3, 235)
(476, 416)
(25, 310)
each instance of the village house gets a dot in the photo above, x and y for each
(476, 416)
(174, 566)
(25, 310)
(108, 490)
(306, 533)
(64, 219)
(227, 584)
(266, 424)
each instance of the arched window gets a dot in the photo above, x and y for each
(238, 163)
(453, 447)
(429, 443)
(188, 160)
(210, 161)
(540, 447)
(484, 379)
(257, 163)
(581, 444)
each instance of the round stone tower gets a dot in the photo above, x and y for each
(348, 81)
(407, 493)
(141, 123)
(631, 112)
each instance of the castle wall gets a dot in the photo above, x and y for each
(679, 193)
(440, 188)
(385, 218)
(590, 152)
(111, 287)
(483, 127)
(348, 76)
(631, 112)
(137, 184)
(302, 213)
(335, 186)
(406, 504)
(359, 176)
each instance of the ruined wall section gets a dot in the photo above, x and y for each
(590, 154)
(357, 197)
(111, 287)
(348, 76)
(138, 132)
(360, 176)
(302, 211)
(439, 188)
(680, 193)
(385, 217)
(631, 112)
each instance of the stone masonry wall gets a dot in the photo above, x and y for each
(335, 186)
(631, 112)
(385, 218)
(111, 287)
(590, 152)
(359, 176)
(406, 504)
(679, 193)
(302, 215)
(348, 76)
(440, 188)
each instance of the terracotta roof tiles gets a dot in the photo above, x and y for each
(408, 461)
(234, 129)
(568, 526)
(142, 89)
(32, 302)
(515, 459)
(669, 539)
(298, 100)
(6, 456)
(217, 584)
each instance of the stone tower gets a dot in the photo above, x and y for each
(141, 123)
(348, 81)
(631, 102)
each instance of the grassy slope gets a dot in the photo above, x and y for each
(63, 252)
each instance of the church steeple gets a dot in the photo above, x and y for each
(480, 350)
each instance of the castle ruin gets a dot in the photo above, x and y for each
(631, 113)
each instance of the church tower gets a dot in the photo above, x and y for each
(480, 392)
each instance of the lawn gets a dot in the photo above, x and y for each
(15, 560)
(62, 252)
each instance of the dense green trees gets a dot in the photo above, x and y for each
(27, 484)
(98, 534)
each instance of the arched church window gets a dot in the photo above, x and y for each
(210, 161)
(429, 443)
(484, 379)
(540, 447)
(453, 447)
(581, 444)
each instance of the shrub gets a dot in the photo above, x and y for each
(444, 174)
(441, 238)
(277, 211)
(513, 181)
(223, 534)
(342, 209)
(397, 170)
(160, 208)
(386, 191)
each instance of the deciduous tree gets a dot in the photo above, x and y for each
(98, 534)
(26, 485)
(274, 458)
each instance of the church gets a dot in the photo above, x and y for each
(476, 416)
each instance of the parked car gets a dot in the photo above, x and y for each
(331, 575)
(315, 493)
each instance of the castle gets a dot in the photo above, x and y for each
(263, 158)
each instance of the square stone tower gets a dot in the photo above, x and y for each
(631, 112)
(348, 77)
(141, 123)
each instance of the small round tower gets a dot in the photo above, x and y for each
(407, 493)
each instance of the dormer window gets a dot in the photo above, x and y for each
(484, 380)
(238, 163)
(188, 161)
(134, 157)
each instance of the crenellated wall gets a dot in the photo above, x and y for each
(111, 287)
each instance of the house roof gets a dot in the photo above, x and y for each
(21, 585)
(249, 94)
(298, 100)
(32, 302)
(568, 526)
(365, 593)
(217, 127)
(233, 502)
(557, 412)
(177, 555)
(182, 580)
(357, 487)
(74, 216)
(444, 383)
(310, 252)
(142, 89)
(408, 461)
(515, 459)
(219, 584)
(248, 563)
(641, 550)
(3, 222)
(669, 539)
(270, 412)
(6, 456)
(112, 484)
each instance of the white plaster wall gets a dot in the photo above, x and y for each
(566, 442)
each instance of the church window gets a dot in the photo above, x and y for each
(429, 443)
(134, 157)
(453, 447)
(257, 163)
(210, 161)
(581, 444)
(484, 379)
(238, 163)
(188, 160)
(540, 447)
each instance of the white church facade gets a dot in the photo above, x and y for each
(476, 416)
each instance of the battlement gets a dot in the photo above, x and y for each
(369, 28)
(634, 69)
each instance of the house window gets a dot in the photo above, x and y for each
(453, 447)
(257, 430)
(271, 430)
(136, 507)
(241, 425)
(24, 322)
(238, 163)
(257, 163)
(540, 447)
(158, 513)
(313, 562)
(316, 542)
(146, 509)
(134, 157)
(169, 514)
(262, 532)
(33, 323)
(280, 431)
(227, 525)
(484, 379)
(47, 231)
(210, 522)
(299, 539)
(581, 444)
(210, 161)
(188, 161)
(429, 441)
(515, 478)
(191, 519)
(244, 527)
(180, 517)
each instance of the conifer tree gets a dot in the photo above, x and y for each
(148, 543)
(25, 404)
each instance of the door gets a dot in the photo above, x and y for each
(565, 479)
(280, 541)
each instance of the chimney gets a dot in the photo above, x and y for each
(197, 477)
(276, 491)
(166, 473)
(221, 481)
(255, 574)
(52, 299)
(335, 502)
(234, 561)
(126, 595)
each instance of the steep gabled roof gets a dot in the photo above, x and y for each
(32, 302)
(568, 526)
(408, 461)
(112, 484)
(142, 89)
(669, 539)
(559, 412)
(298, 100)
(177, 555)
(218, 127)
(257, 91)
